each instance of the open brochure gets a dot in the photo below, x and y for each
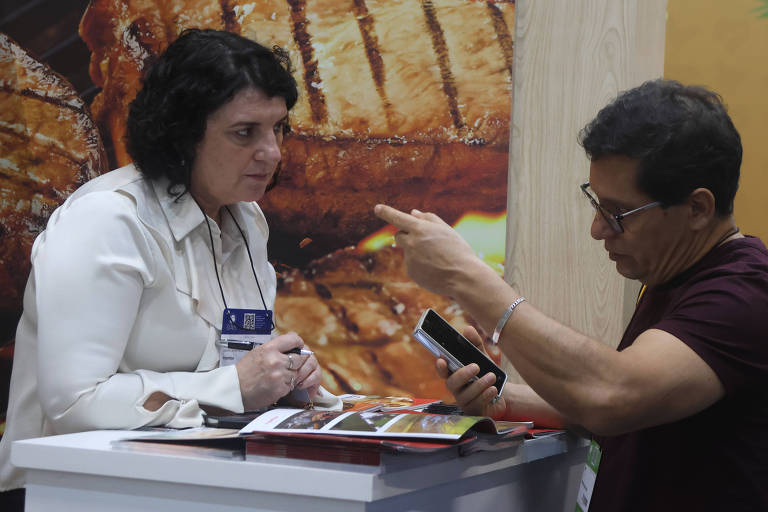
(375, 424)
(335, 436)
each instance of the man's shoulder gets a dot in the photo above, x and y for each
(742, 268)
(742, 259)
(719, 311)
(750, 248)
(735, 280)
(724, 295)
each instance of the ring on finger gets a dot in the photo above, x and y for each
(293, 377)
(290, 361)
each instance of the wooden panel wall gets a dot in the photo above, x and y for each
(571, 58)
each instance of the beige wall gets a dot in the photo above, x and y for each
(724, 45)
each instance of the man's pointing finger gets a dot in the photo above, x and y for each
(400, 220)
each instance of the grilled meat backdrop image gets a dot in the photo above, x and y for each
(49, 146)
(405, 102)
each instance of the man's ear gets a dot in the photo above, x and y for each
(701, 204)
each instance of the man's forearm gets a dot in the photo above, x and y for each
(523, 404)
(565, 368)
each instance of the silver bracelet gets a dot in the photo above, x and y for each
(504, 318)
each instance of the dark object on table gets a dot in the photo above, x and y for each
(443, 409)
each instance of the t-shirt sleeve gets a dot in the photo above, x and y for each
(89, 271)
(723, 319)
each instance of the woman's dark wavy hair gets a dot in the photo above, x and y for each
(198, 73)
(681, 135)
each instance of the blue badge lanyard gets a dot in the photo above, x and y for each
(216, 268)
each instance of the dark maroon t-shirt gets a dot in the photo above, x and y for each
(717, 459)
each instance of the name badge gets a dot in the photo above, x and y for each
(241, 330)
(246, 324)
(588, 478)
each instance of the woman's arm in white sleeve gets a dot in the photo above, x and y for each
(90, 272)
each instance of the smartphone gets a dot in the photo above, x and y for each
(231, 421)
(440, 338)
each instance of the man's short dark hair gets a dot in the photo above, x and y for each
(196, 75)
(681, 135)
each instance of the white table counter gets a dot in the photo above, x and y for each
(83, 472)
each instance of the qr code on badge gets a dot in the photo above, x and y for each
(249, 321)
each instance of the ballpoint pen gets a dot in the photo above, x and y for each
(249, 345)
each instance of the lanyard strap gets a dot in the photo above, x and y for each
(216, 267)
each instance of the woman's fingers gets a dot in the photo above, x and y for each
(309, 374)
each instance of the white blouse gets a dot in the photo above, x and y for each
(123, 302)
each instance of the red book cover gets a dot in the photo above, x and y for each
(337, 448)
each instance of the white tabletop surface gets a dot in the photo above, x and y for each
(92, 453)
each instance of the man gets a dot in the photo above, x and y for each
(680, 410)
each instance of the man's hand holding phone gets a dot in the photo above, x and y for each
(470, 374)
(475, 396)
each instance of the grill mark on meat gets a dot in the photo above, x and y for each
(360, 285)
(29, 93)
(48, 192)
(365, 23)
(441, 51)
(503, 35)
(388, 377)
(228, 17)
(312, 81)
(50, 148)
(323, 291)
(362, 139)
(92, 139)
(343, 383)
(340, 312)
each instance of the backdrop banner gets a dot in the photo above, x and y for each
(401, 102)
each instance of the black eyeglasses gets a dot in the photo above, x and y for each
(614, 219)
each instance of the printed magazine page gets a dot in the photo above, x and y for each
(370, 423)
(185, 434)
(384, 403)
(191, 442)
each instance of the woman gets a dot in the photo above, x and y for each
(135, 271)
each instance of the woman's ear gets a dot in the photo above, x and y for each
(701, 205)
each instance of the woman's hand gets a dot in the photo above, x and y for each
(476, 397)
(309, 375)
(267, 373)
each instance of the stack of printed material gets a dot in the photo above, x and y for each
(364, 437)
(366, 431)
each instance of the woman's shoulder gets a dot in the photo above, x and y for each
(253, 215)
(107, 198)
(124, 178)
(122, 191)
(91, 215)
